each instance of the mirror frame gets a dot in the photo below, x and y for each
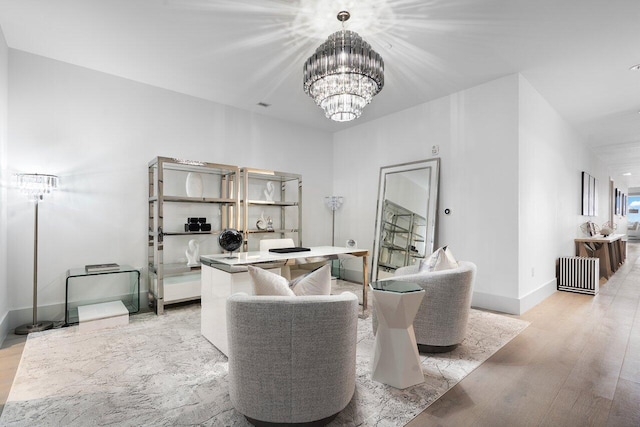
(431, 209)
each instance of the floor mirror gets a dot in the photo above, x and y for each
(405, 216)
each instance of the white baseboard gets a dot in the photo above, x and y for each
(487, 301)
(535, 297)
(4, 327)
(514, 305)
(495, 303)
(54, 312)
(24, 316)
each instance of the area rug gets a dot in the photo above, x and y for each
(159, 371)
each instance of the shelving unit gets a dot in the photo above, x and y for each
(402, 239)
(169, 206)
(284, 208)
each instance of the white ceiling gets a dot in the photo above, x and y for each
(576, 53)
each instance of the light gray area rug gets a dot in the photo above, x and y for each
(159, 371)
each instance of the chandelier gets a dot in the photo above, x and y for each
(343, 74)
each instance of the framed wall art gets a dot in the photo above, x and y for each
(589, 195)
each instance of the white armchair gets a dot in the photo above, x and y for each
(441, 322)
(292, 359)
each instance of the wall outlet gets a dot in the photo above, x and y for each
(435, 150)
(533, 272)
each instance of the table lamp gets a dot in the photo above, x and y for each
(35, 186)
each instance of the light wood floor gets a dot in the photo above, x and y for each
(577, 364)
(10, 354)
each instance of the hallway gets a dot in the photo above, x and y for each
(577, 364)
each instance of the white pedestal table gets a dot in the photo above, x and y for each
(396, 360)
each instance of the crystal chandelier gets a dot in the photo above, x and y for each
(343, 74)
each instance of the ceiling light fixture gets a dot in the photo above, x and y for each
(635, 67)
(344, 74)
(627, 174)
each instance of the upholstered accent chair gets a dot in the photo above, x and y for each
(441, 322)
(292, 360)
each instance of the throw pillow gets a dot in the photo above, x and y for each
(268, 283)
(316, 282)
(441, 259)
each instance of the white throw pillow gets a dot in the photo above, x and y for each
(316, 282)
(441, 259)
(268, 283)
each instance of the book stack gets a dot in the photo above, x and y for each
(197, 224)
(92, 268)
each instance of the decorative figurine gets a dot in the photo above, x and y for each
(193, 253)
(269, 191)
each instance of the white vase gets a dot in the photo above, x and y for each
(195, 187)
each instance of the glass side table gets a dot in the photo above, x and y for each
(396, 360)
(86, 288)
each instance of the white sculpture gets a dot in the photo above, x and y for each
(268, 192)
(193, 253)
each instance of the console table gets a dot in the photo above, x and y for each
(223, 275)
(611, 250)
(83, 288)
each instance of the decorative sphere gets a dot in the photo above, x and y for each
(605, 231)
(230, 239)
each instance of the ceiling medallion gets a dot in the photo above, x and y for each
(343, 74)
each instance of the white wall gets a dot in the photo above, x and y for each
(476, 131)
(4, 291)
(510, 173)
(552, 158)
(98, 133)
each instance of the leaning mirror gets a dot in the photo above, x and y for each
(406, 216)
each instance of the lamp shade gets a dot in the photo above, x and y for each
(334, 202)
(35, 185)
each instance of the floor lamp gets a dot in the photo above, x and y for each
(334, 203)
(35, 186)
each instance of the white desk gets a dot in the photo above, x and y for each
(223, 276)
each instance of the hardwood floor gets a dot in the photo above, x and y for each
(577, 364)
(10, 354)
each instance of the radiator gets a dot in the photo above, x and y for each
(579, 274)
